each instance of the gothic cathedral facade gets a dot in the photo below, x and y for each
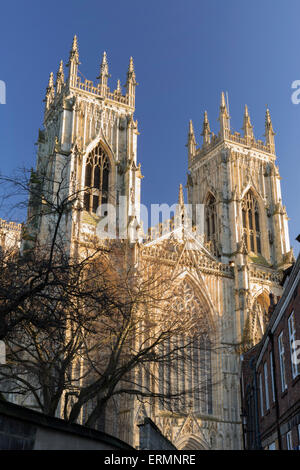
(90, 134)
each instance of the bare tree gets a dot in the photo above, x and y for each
(84, 327)
(111, 336)
(42, 264)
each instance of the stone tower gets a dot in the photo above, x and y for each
(236, 179)
(230, 272)
(88, 148)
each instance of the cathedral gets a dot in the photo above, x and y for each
(229, 271)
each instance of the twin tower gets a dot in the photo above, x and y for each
(90, 141)
(87, 152)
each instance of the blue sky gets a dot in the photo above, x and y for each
(185, 54)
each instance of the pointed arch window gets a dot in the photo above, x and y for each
(251, 223)
(211, 223)
(97, 171)
(186, 370)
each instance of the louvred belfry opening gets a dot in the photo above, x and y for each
(251, 223)
(97, 170)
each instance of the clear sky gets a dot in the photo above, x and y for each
(185, 54)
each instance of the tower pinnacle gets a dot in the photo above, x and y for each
(103, 77)
(206, 133)
(119, 90)
(191, 145)
(131, 83)
(224, 118)
(73, 62)
(60, 77)
(247, 126)
(50, 92)
(269, 131)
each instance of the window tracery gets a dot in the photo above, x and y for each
(97, 170)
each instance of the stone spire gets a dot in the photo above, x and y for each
(269, 132)
(131, 83)
(191, 145)
(206, 130)
(103, 77)
(224, 118)
(247, 126)
(73, 63)
(50, 92)
(60, 77)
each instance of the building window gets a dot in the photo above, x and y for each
(289, 441)
(185, 374)
(261, 396)
(282, 362)
(96, 179)
(211, 223)
(251, 223)
(266, 386)
(272, 376)
(292, 338)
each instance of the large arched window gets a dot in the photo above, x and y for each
(96, 179)
(251, 223)
(186, 369)
(211, 223)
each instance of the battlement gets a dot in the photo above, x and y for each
(235, 137)
(211, 140)
(10, 226)
(74, 82)
(88, 86)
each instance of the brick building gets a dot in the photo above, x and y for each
(270, 376)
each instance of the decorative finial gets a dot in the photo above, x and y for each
(60, 77)
(73, 63)
(50, 92)
(191, 128)
(74, 53)
(269, 132)
(223, 102)
(131, 72)
(224, 117)
(119, 90)
(247, 126)
(104, 65)
(268, 120)
(131, 83)
(75, 44)
(51, 80)
(191, 144)
(104, 70)
(131, 65)
(206, 133)
(103, 77)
